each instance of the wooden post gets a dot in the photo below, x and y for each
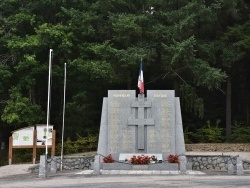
(10, 149)
(53, 143)
(34, 146)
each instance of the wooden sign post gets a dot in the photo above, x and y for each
(23, 138)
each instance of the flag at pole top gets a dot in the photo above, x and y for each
(141, 81)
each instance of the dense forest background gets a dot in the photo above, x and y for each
(199, 48)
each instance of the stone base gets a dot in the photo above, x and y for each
(155, 166)
(164, 166)
(116, 166)
(189, 166)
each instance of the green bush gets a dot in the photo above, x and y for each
(209, 134)
(188, 136)
(240, 134)
(82, 144)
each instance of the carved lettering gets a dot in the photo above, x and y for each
(121, 95)
(160, 95)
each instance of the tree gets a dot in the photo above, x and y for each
(20, 111)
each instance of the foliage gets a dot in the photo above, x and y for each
(190, 46)
(82, 144)
(108, 159)
(209, 134)
(188, 136)
(19, 110)
(191, 100)
(140, 159)
(173, 158)
(23, 155)
(240, 134)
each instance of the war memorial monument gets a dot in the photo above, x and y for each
(131, 125)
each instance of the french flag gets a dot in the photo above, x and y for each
(141, 81)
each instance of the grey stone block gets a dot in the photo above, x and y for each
(117, 166)
(140, 167)
(230, 167)
(53, 166)
(239, 166)
(173, 166)
(189, 166)
(42, 167)
(183, 165)
(97, 167)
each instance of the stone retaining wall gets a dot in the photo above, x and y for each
(219, 162)
(199, 162)
(73, 163)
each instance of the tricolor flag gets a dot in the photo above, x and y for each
(141, 81)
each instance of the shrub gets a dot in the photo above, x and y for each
(82, 144)
(240, 134)
(188, 136)
(209, 134)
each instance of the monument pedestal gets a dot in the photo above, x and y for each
(128, 166)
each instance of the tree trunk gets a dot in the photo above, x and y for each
(228, 109)
(129, 79)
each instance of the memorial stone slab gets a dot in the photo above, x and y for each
(141, 125)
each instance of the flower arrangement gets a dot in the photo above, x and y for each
(173, 159)
(140, 159)
(153, 159)
(108, 159)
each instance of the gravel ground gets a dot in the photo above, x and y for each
(10, 170)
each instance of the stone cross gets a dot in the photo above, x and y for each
(141, 121)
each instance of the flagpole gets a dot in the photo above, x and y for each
(48, 110)
(63, 112)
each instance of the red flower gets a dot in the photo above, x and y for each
(108, 159)
(173, 159)
(140, 159)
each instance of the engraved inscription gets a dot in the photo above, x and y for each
(121, 95)
(114, 127)
(127, 141)
(160, 95)
(165, 129)
(114, 104)
(152, 141)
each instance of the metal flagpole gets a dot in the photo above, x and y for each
(63, 111)
(48, 110)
